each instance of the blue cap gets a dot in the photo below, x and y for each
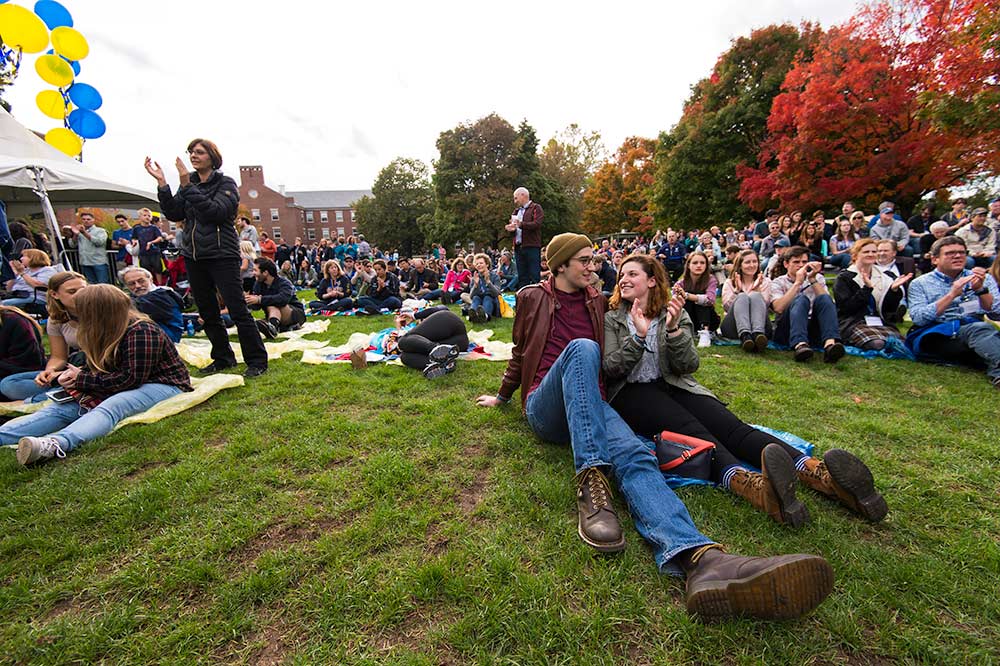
(887, 209)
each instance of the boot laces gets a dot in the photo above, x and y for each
(598, 491)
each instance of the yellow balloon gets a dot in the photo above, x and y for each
(54, 70)
(52, 104)
(70, 43)
(22, 28)
(65, 140)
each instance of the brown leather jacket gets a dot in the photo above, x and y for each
(531, 226)
(536, 305)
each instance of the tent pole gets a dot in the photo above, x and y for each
(50, 218)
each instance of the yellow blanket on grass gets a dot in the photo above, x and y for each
(495, 349)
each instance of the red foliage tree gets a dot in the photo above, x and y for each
(618, 198)
(864, 118)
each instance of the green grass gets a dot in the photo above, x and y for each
(325, 515)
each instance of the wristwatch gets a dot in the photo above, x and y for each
(981, 292)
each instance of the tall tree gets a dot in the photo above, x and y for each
(569, 160)
(723, 124)
(401, 201)
(479, 166)
(852, 122)
(619, 196)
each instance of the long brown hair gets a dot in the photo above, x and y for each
(738, 264)
(57, 311)
(701, 285)
(658, 296)
(104, 313)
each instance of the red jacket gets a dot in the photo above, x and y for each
(536, 305)
(531, 225)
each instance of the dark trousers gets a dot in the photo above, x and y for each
(702, 316)
(657, 406)
(529, 265)
(208, 275)
(443, 327)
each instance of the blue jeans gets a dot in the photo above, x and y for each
(489, 303)
(21, 302)
(842, 260)
(99, 274)
(374, 305)
(567, 406)
(795, 325)
(21, 386)
(73, 425)
(529, 265)
(983, 339)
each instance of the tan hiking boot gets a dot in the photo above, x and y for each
(597, 522)
(720, 585)
(773, 490)
(843, 477)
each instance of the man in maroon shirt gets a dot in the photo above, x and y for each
(556, 361)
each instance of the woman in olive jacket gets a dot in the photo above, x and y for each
(649, 356)
(207, 202)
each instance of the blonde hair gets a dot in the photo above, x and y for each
(57, 311)
(861, 244)
(36, 258)
(246, 250)
(104, 313)
(331, 263)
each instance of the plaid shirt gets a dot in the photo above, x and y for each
(144, 356)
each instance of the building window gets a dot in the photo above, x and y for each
(276, 232)
(309, 216)
(274, 214)
(354, 230)
(326, 232)
(340, 216)
(340, 231)
(324, 216)
(311, 234)
(255, 214)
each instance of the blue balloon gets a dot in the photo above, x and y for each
(85, 96)
(53, 14)
(86, 123)
(75, 64)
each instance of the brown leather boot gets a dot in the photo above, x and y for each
(843, 477)
(597, 522)
(721, 585)
(773, 490)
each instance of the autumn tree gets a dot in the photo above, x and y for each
(619, 196)
(723, 124)
(401, 201)
(479, 167)
(871, 117)
(569, 160)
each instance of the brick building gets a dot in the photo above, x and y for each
(310, 215)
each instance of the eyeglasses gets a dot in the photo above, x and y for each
(198, 151)
(585, 261)
(955, 253)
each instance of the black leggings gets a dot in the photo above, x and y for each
(702, 316)
(442, 327)
(654, 407)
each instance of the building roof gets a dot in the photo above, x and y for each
(327, 198)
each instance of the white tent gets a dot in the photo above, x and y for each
(34, 173)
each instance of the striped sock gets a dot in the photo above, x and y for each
(800, 463)
(727, 475)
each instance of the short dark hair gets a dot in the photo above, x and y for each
(210, 148)
(266, 266)
(121, 216)
(792, 252)
(944, 241)
(379, 262)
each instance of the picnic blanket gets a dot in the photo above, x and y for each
(894, 349)
(204, 388)
(794, 441)
(198, 351)
(481, 347)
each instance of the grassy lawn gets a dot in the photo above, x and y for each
(325, 515)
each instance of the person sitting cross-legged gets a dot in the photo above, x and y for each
(282, 308)
(556, 362)
(805, 312)
(484, 291)
(947, 307)
(334, 290)
(868, 300)
(383, 290)
(131, 366)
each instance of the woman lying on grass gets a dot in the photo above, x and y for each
(649, 356)
(432, 346)
(131, 366)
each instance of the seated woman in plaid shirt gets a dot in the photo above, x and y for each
(131, 366)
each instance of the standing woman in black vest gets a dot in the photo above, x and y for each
(207, 202)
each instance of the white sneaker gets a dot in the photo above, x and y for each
(33, 449)
(704, 338)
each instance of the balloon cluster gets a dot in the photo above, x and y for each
(72, 102)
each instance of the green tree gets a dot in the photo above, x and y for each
(479, 167)
(569, 160)
(401, 201)
(723, 125)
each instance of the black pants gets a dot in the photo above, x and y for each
(208, 275)
(652, 408)
(442, 327)
(702, 316)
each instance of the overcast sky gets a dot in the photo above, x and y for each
(325, 95)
